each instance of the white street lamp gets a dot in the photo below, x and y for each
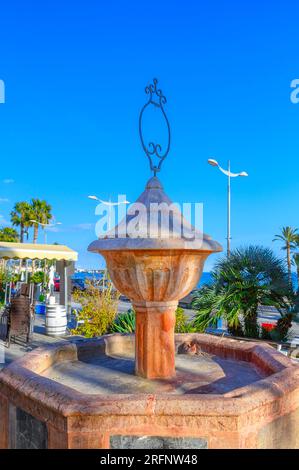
(44, 227)
(229, 175)
(109, 204)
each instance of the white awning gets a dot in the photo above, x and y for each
(10, 250)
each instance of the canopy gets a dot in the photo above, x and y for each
(12, 250)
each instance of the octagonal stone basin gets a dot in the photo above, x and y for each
(84, 394)
(110, 370)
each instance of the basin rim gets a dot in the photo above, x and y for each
(20, 380)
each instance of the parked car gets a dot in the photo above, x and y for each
(124, 298)
(78, 284)
(186, 301)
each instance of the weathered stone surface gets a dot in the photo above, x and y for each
(281, 433)
(156, 442)
(233, 419)
(113, 373)
(155, 322)
(4, 422)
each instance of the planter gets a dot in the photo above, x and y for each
(40, 309)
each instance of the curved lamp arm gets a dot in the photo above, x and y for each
(230, 174)
(213, 162)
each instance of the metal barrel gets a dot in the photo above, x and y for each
(56, 320)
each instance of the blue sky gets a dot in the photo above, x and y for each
(75, 74)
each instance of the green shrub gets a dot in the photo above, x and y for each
(125, 322)
(39, 277)
(182, 323)
(283, 325)
(280, 332)
(99, 309)
(250, 277)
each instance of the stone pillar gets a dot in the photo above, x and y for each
(154, 337)
(65, 270)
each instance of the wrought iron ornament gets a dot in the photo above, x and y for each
(156, 98)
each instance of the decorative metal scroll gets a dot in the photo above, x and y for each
(151, 149)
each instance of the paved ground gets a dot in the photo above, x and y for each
(16, 350)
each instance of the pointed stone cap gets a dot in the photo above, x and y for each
(153, 222)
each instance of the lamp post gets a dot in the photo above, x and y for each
(44, 227)
(229, 175)
(110, 204)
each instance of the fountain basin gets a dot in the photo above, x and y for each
(84, 394)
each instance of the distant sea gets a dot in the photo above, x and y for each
(205, 278)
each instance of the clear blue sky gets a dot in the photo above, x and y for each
(75, 73)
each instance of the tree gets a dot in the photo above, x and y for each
(289, 237)
(41, 213)
(251, 277)
(20, 217)
(8, 234)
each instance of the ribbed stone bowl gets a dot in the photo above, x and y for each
(163, 275)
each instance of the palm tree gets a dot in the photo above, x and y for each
(8, 234)
(20, 217)
(251, 277)
(40, 213)
(289, 236)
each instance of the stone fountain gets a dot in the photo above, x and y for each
(155, 261)
(154, 389)
(155, 273)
